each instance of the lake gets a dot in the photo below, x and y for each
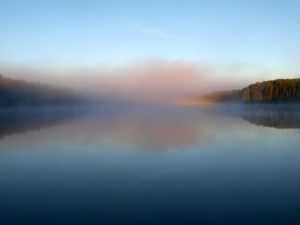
(153, 164)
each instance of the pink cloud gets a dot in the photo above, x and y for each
(148, 80)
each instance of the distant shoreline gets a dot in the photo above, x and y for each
(285, 91)
(20, 93)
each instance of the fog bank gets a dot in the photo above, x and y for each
(146, 80)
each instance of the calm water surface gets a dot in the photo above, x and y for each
(150, 165)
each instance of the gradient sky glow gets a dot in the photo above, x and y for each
(91, 32)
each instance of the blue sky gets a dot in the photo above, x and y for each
(87, 33)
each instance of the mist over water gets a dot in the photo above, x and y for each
(150, 164)
(148, 80)
(149, 112)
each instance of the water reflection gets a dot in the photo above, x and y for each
(138, 127)
(276, 116)
(122, 165)
(24, 119)
(152, 128)
(147, 127)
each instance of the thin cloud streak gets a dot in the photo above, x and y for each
(149, 30)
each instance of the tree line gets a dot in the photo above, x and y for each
(274, 91)
(24, 93)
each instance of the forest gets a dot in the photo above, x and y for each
(273, 91)
(23, 93)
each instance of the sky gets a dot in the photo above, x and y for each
(239, 40)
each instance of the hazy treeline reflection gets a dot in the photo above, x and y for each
(145, 126)
(268, 115)
(138, 126)
(277, 119)
(19, 120)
